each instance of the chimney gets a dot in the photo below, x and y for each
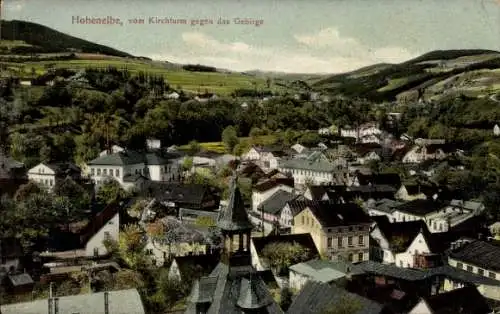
(106, 302)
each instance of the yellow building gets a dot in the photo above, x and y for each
(337, 229)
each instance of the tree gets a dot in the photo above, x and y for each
(128, 279)
(193, 148)
(68, 188)
(25, 190)
(131, 246)
(205, 221)
(187, 164)
(280, 255)
(110, 191)
(230, 138)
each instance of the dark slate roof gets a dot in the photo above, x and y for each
(275, 203)
(463, 300)
(227, 289)
(317, 191)
(392, 179)
(234, 217)
(479, 253)
(420, 207)
(21, 279)
(63, 168)
(134, 178)
(415, 189)
(400, 234)
(120, 302)
(175, 192)
(318, 297)
(409, 274)
(331, 214)
(387, 205)
(272, 183)
(303, 239)
(198, 264)
(127, 157)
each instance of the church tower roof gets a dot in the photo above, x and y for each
(234, 216)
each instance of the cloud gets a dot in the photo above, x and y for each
(323, 52)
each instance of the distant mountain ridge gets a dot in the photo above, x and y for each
(442, 73)
(43, 39)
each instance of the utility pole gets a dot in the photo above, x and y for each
(1, 18)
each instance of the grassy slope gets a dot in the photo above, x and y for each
(51, 40)
(383, 82)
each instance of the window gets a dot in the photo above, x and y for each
(92, 171)
(349, 241)
(329, 241)
(339, 242)
(350, 257)
(361, 240)
(350, 229)
(469, 268)
(51, 182)
(98, 171)
(96, 252)
(360, 228)
(117, 172)
(104, 172)
(460, 265)
(111, 172)
(360, 257)
(480, 271)
(106, 235)
(303, 220)
(492, 275)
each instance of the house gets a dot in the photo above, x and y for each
(410, 192)
(392, 179)
(266, 158)
(309, 172)
(258, 244)
(420, 153)
(316, 193)
(318, 270)
(462, 300)
(299, 148)
(175, 195)
(270, 209)
(292, 209)
(123, 165)
(454, 216)
(234, 284)
(318, 297)
(47, 175)
(416, 210)
(401, 243)
(496, 130)
(191, 266)
(109, 302)
(478, 257)
(262, 191)
(384, 206)
(369, 157)
(114, 149)
(337, 229)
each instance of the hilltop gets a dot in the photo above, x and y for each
(432, 76)
(36, 38)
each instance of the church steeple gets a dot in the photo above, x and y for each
(234, 224)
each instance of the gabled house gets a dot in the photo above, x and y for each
(265, 157)
(420, 153)
(478, 257)
(410, 192)
(383, 207)
(462, 300)
(316, 193)
(416, 210)
(270, 209)
(262, 191)
(401, 243)
(47, 175)
(292, 209)
(309, 172)
(338, 230)
(258, 244)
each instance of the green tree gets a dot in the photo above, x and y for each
(280, 255)
(131, 246)
(68, 188)
(193, 148)
(110, 191)
(187, 164)
(26, 190)
(230, 138)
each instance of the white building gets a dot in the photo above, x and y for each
(109, 230)
(323, 271)
(264, 190)
(309, 171)
(47, 175)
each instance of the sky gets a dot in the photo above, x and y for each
(314, 36)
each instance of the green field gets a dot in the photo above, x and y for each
(218, 147)
(214, 82)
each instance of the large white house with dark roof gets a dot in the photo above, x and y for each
(128, 166)
(314, 171)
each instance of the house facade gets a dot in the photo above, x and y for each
(261, 192)
(338, 230)
(47, 175)
(109, 231)
(309, 172)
